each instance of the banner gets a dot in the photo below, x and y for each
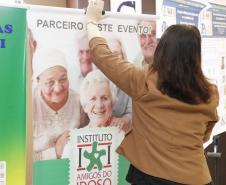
(70, 93)
(12, 96)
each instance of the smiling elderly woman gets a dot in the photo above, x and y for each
(56, 108)
(98, 96)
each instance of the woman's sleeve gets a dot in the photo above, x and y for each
(124, 74)
(214, 115)
(209, 128)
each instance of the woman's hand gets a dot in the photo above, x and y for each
(61, 142)
(94, 11)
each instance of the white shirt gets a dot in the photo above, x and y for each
(48, 124)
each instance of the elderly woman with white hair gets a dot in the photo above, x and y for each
(98, 96)
(56, 108)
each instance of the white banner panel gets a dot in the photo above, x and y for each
(61, 63)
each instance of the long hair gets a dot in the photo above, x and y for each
(177, 60)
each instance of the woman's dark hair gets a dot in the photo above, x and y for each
(177, 60)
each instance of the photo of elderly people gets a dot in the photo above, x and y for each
(61, 105)
(98, 96)
(122, 110)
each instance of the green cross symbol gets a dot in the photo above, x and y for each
(94, 157)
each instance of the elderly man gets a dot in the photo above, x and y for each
(148, 44)
(85, 62)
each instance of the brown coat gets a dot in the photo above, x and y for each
(168, 135)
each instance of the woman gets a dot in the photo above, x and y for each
(174, 106)
(56, 108)
(97, 97)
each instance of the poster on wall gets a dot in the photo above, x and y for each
(178, 12)
(12, 1)
(73, 102)
(13, 95)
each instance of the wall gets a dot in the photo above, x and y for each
(57, 3)
(221, 2)
(148, 6)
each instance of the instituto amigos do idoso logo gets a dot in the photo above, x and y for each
(93, 158)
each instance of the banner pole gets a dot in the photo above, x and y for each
(82, 11)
